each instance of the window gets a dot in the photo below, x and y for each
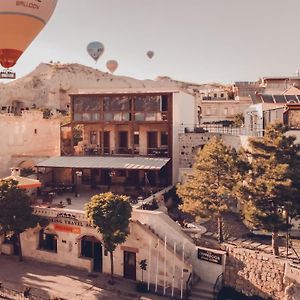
(164, 138)
(222, 95)
(93, 137)
(148, 103)
(47, 241)
(136, 138)
(116, 103)
(215, 95)
(35, 131)
(86, 103)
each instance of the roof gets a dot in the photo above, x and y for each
(125, 91)
(24, 182)
(104, 162)
(275, 99)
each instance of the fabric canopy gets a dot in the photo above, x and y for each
(24, 182)
(100, 162)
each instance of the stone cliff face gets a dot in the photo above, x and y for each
(49, 85)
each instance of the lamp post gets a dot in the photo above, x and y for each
(78, 175)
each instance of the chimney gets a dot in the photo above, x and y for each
(15, 171)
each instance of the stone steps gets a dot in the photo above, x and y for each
(202, 291)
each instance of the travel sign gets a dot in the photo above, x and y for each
(210, 256)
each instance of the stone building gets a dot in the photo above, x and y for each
(27, 139)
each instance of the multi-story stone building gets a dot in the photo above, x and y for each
(26, 139)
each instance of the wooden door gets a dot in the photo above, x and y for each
(130, 265)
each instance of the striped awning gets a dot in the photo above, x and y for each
(104, 162)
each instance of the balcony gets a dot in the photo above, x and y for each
(96, 150)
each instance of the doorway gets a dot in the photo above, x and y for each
(106, 142)
(92, 248)
(130, 265)
(152, 141)
(123, 142)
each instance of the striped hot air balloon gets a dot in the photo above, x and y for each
(20, 23)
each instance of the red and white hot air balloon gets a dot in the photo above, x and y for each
(20, 23)
(112, 65)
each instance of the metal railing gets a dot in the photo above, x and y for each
(219, 284)
(188, 286)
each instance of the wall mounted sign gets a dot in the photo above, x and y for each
(67, 228)
(210, 256)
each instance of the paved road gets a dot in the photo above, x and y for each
(50, 280)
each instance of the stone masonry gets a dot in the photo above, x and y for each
(254, 273)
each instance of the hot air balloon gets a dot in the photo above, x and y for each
(150, 54)
(95, 50)
(20, 23)
(112, 65)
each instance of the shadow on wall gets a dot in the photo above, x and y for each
(253, 277)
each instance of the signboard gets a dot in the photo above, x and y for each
(67, 228)
(7, 75)
(210, 256)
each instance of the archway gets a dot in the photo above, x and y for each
(92, 248)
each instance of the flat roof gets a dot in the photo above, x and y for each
(104, 162)
(124, 91)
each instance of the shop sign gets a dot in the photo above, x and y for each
(210, 256)
(67, 219)
(67, 228)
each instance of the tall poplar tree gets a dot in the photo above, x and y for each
(270, 190)
(208, 194)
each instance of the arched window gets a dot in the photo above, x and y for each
(47, 241)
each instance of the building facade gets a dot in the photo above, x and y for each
(27, 139)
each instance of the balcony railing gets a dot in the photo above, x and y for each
(96, 150)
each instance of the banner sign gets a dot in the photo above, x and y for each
(210, 256)
(66, 228)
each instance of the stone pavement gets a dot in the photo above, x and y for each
(49, 281)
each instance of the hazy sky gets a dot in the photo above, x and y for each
(193, 40)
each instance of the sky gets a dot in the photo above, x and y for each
(194, 40)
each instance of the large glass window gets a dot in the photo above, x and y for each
(86, 103)
(148, 103)
(113, 103)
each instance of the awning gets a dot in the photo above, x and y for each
(103, 162)
(24, 182)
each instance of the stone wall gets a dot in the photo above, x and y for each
(254, 273)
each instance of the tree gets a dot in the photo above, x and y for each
(16, 214)
(239, 120)
(269, 189)
(208, 194)
(110, 215)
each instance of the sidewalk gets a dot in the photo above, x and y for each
(51, 281)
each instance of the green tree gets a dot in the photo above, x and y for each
(239, 120)
(270, 187)
(15, 211)
(110, 214)
(208, 194)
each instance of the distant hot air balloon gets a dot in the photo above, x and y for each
(20, 23)
(95, 50)
(150, 54)
(112, 65)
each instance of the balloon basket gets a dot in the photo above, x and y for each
(7, 74)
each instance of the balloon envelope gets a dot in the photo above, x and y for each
(150, 54)
(112, 65)
(95, 50)
(20, 23)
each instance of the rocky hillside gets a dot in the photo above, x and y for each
(50, 84)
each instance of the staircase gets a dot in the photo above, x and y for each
(202, 291)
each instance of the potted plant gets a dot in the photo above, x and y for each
(141, 286)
